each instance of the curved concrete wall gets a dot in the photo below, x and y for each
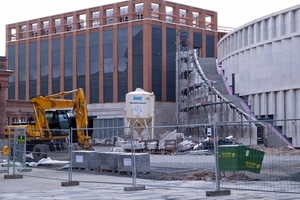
(261, 61)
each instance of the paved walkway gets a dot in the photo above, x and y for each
(30, 187)
(40, 188)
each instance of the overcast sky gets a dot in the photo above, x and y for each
(231, 13)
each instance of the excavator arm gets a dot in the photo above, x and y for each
(79, 105)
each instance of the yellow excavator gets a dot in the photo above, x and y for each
(49, 127)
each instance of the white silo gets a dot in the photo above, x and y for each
(140, 110)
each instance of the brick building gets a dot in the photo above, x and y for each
(108, 51)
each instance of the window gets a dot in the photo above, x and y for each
(95, 20)
(82, 21)
(122, 63)
(169, 14)
(208, 22)
(124, 14)
(69, 23)
(45, 28)
(23, 31)
(13, 35)
(182, 16)
(57, 23)
(109, 16)
(196, 19)
(154, 11)
(139, 11)
(107, 128)
(34, 30)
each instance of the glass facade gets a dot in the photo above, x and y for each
(108, 65)
(94, 67)
(157, 62)
(137, 56)
(80, 60)
(11, 66)
(171, 64)
(32, 69)
(68, 64)
(22, 71)
(56, 66)
(76, 54)
(44, 67)
(122, 63)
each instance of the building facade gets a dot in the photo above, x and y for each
(260, 61)
(108, 51)
(4, 74)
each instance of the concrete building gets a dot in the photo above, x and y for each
(260, 61)
(108, 51)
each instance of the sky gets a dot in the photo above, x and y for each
(231, 13)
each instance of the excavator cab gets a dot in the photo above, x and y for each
(59, 122)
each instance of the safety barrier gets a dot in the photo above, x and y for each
(176, 156)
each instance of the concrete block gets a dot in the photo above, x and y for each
(142, 162)
(84, 159)
(107, 161)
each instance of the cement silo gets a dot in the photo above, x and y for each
(140, 110)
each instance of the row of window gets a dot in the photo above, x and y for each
(109, 16)
(107, 64)
(279, 25)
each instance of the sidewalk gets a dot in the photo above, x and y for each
(39, 188)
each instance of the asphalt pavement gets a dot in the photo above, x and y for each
(30, 187)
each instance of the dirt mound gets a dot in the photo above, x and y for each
(276, 150)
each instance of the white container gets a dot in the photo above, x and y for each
(140, 109)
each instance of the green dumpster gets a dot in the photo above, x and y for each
(253, 160)
(231, 157)
(239, 158)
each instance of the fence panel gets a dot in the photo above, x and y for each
(179, 156)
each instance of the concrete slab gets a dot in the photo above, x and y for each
(134, 188)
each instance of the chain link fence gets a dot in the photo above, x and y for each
(178, 156)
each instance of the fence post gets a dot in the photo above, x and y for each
(133, 159)
(217, 171)
(217, 192)
(14, 175)
(70, 150)
(134, 187)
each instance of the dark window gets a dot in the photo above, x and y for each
(210, 46)
(122, 64)
(171, 65)
(157, 62)
(22, 71)
(11, 66)
(94, 67)
(44, 68)
(108, 65)
(137, 56)
(197, 40)
(68, 65)
(32, 69)
(80, 61)
(56, 66)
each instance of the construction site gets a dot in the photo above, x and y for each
(205, 98)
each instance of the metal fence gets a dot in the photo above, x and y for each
(177, 156)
